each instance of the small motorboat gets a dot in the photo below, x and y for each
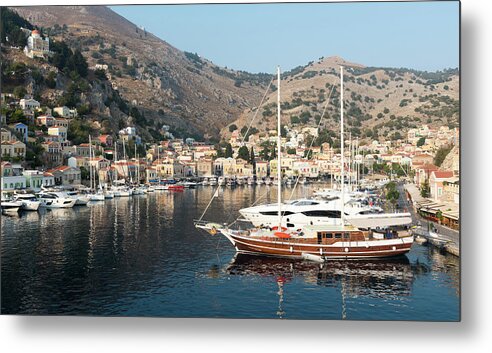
(175, 187)
(28, 202)
(10, 207)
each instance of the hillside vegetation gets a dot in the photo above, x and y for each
(379, 102)
(149, 83)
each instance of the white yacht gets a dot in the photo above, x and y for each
(212, 181)
(150, 188)
(28, 201)
(55, 199)
(121, 191)
(125, 192)
(80, 199)
(10, 207)
(302, 212)
(96, 196)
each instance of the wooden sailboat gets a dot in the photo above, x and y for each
(319, 241)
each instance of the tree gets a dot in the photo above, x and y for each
(308, 154)
(264, 153)
(20, 92)
(220, 153)
(425, 189)
(228, 151)
(243, 153)
(252, 156)
(17, 116)
(283, 131)
(305, 116)
(232, 127)
(397, 136)
(421, 141)
(294, 120)
(273, 154)
(392, 195)
(78, 131)
(84, 173)
(51, 80)
(100, 74)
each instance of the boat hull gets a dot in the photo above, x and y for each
(63, 203)
(96, 197)
(29, 205)
(339, 250)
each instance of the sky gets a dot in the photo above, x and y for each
(258, 37)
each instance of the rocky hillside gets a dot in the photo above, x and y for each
(167, 85)
(195, 97)
(379, 102)
(452, 160)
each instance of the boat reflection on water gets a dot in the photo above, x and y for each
(374, 278)
(388, 279)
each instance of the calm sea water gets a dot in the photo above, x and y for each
(142, 256)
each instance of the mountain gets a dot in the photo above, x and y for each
(197, 98)
(169, 86)
(379, 102)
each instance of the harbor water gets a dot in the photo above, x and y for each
(142, 256)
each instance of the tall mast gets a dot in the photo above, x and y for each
(138, 166)
(350, 163)
(126, 162)
(357, 175)
(115, 159)
(342, 142)
(90, 160)
(279, 145)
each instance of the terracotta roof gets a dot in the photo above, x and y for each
(422, 155)
(442, 174)
(60, 168)
(429, 167)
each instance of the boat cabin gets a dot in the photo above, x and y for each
(332, 234)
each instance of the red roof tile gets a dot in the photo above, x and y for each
(440, 174)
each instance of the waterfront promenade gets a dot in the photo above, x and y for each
(446, 233)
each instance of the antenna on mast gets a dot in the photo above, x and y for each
(342, 142)
(279, 145)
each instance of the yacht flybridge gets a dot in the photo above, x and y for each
(299, 213)
(283, 237)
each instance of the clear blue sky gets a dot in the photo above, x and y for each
(258, 37)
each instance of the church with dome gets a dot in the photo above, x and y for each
(37, 46)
